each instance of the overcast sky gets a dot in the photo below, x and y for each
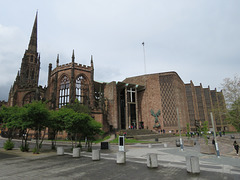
(199, 39)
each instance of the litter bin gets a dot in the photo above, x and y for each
(104, 145)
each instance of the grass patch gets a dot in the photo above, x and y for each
(97, 141)
(131, 141)
(100, 140)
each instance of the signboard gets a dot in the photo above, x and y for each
(121, 143)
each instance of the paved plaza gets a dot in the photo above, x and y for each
(171, 160)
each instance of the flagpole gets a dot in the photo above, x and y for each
(144, 58)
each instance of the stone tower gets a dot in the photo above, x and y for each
(25, 88)
(29, 73)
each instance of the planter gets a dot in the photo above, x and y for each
(189, 143)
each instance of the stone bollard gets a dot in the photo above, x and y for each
(165, 145)
(95, 155)
(152, 161)
(149, 145)
(76, 152)
(121, 157)
(192, 163)
(60, 151)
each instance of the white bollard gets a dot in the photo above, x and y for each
(149, 145)
(95, 155)
(192, 163)
(60, 151)
(165, 145)
(76, 152)
(152, 161)
(121, 157)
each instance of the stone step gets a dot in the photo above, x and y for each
(152, 136)
(134, 132)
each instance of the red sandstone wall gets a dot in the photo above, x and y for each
(110, 93)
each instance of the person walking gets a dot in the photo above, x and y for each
(236, 146)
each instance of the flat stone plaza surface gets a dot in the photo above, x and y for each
(66, 167)
(171, 164)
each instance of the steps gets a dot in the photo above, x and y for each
(144, 134)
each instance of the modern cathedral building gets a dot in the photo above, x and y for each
(118, 105)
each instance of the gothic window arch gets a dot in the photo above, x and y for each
(82, 90)
(64, 91)
(28, 98)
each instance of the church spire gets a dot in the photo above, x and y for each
(32, 46)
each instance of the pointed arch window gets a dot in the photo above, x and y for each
(28, 98)
(64, 91)
(82, 90)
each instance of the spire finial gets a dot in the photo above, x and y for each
(73, 56)
(57, 60)
(33, 40)
(92, 60)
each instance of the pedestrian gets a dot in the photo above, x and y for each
(236, 146)
(220, 134)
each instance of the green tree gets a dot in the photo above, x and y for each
(92, 128)
(80, 125)
(78, 107)
(231, 91)
(205, 130)
(10, 116)
(11, 119)
(38, 116)
(74, 125)
(233, 115)
(56, 124)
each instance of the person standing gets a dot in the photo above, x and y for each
(236, 146)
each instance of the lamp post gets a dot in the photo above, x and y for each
(179, 129)
(214, 133)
